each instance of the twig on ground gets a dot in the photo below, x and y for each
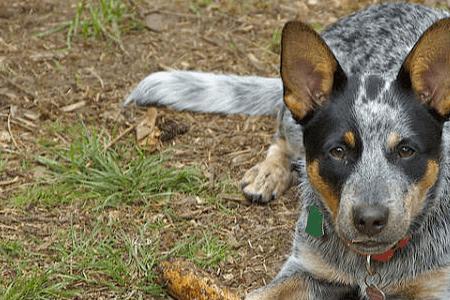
(117, 138)
(72, 107)
(185, 282)
(8, 182)
(95, 74)
(11, 134)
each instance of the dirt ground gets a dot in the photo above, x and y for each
(39, 78)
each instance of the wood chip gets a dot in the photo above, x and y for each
(185, 282)
(72, 107)
(5, 137)
(31, 115)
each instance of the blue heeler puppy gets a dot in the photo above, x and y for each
(362, 112)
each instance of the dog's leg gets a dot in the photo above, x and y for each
(302, 287)
(292, 288)
(270, 178)
(434, 285)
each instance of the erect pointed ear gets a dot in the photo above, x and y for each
(426, 69)
(308, 68)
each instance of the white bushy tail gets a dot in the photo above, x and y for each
(207, 92)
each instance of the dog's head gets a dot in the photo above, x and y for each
(372, 147)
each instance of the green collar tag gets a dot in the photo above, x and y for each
(314, 224)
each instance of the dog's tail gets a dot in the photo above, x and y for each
(206, 92)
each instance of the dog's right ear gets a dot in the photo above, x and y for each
(309, 69)
(426, 69)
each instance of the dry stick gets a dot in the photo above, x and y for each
(10, 132)
(117, 138)
(8, 182)
(27, 127)
(63, 139)
(95, 74)
(184, 282)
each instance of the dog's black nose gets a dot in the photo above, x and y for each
(370, 220)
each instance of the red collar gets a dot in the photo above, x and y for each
(386, 256)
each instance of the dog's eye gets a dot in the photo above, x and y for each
(338, 153)
(405, 151)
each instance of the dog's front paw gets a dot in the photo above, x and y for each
(266, 181)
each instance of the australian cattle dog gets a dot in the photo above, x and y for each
(362, 111)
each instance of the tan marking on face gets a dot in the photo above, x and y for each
(393, 140)
(314, 263)
(289, 289)
(349, 139)
(416, 196)
(325, 190)
(431, 285)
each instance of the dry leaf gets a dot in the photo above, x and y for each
(147, 134)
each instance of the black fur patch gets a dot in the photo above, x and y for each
(325, 131)
(425, 139)
(373, 85)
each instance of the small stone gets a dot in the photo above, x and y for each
(156, 22)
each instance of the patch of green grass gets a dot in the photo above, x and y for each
(102, 19)
(225, 186)
(99, 19)
(108, 257)
(317, 26)
(49, 194)
(99, 255)
(275, 42)
(143, 256)
(196, 5)
(35, 286)
(102, 252)
(87, 172)
(93, 258)
(10, 248)
(205, 251)
(3, 162)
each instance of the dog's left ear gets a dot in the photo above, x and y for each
(426, 69)
(309, 69)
